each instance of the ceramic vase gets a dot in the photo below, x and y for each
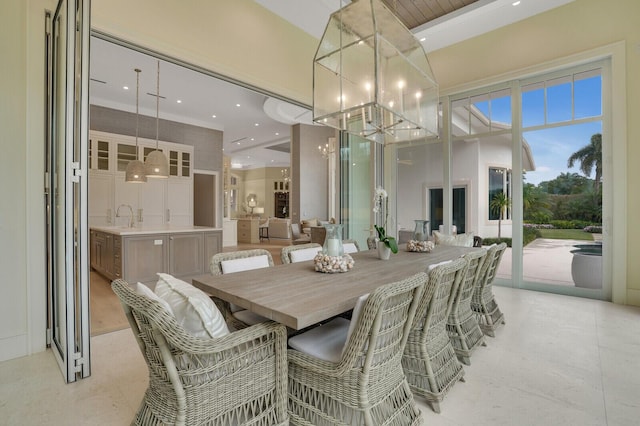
(384, 252)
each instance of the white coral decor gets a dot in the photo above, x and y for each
(420, 246)
(332, 264)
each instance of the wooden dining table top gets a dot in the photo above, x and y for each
(297, 296)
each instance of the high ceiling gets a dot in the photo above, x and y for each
(414, 13)
(436, 23)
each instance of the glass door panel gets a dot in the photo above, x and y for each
(67, 166)
(562, 117)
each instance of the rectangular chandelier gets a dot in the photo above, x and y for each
(372, 78)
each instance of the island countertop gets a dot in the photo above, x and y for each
(151, 229)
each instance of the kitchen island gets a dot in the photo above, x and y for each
(137, 254)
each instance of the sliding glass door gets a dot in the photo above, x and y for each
(531, 151)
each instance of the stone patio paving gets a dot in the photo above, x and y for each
(545, 260)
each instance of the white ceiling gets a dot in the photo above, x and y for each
(112, 68)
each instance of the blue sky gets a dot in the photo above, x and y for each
(552, 147)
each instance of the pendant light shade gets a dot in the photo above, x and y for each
(156, 164)
(372, 78)
(135, 171)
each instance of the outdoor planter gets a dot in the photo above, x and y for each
(586, 266)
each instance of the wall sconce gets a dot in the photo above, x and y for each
(328, 149)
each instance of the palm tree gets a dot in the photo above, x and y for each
(590, 156)
(499, 204)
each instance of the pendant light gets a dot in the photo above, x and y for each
(372, 78)
(135, 171)
(156, 163)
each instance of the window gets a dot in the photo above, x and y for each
(499, 182)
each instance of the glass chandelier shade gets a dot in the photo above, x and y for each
(135, 171)
(372, 78)
(156, 164)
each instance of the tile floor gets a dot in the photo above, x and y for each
(558, 361)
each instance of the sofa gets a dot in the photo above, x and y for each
(279, 228)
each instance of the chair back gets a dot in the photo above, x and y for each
(190, 377)
(377, 340)
(309, 252)
(431, 318)
(350, 246)
(470, 279)
(248, 259)
(490, 268)
(295, 231)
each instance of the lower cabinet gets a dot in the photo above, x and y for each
(138, 258)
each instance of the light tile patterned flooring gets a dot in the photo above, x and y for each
(559, 360)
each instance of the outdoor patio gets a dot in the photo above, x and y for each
(545, 260)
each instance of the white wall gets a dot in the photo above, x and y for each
(470, 164)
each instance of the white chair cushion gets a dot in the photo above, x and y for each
(355, 315)
(246, 264)
(435, 265)
(325, 342)
(193, 309)
(143, 290)
(304, 254)
(349, 248)
(248, 317)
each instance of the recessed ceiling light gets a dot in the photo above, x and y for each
(237, 143)
(214, 116)
(257, 124)
(515, 3)
(277, 134)
(238, 105)
(272, 161)
(179, 101)
(252, 139)
(423, 39)
(125, 87)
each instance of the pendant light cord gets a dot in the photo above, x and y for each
(137, 108)
(158, 106)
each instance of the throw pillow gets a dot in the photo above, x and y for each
(464, 240)
(193, 309)
(143, 290)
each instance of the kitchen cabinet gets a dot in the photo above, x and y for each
(106, 254)
(248, 231)
(156, 202)
(186, 254)
(137, 255)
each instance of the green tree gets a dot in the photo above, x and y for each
(535, 204)
(590, 157)
(499, 204)
(566, 184)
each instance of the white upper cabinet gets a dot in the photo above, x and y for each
(156, 202)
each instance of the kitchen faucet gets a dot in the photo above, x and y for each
(131, 219)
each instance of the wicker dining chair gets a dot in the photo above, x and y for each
(350, 246)
(462, 324)
(239, 379)
(429, 361)
(285, 253)
(364, 384)
(236, 316)
(483, 302)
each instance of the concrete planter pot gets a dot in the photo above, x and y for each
(586, 268)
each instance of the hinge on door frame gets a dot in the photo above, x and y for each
(79, 361)
(77, 172)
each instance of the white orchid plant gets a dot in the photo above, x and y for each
(381, 205)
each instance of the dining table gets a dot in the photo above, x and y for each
(297, 296)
